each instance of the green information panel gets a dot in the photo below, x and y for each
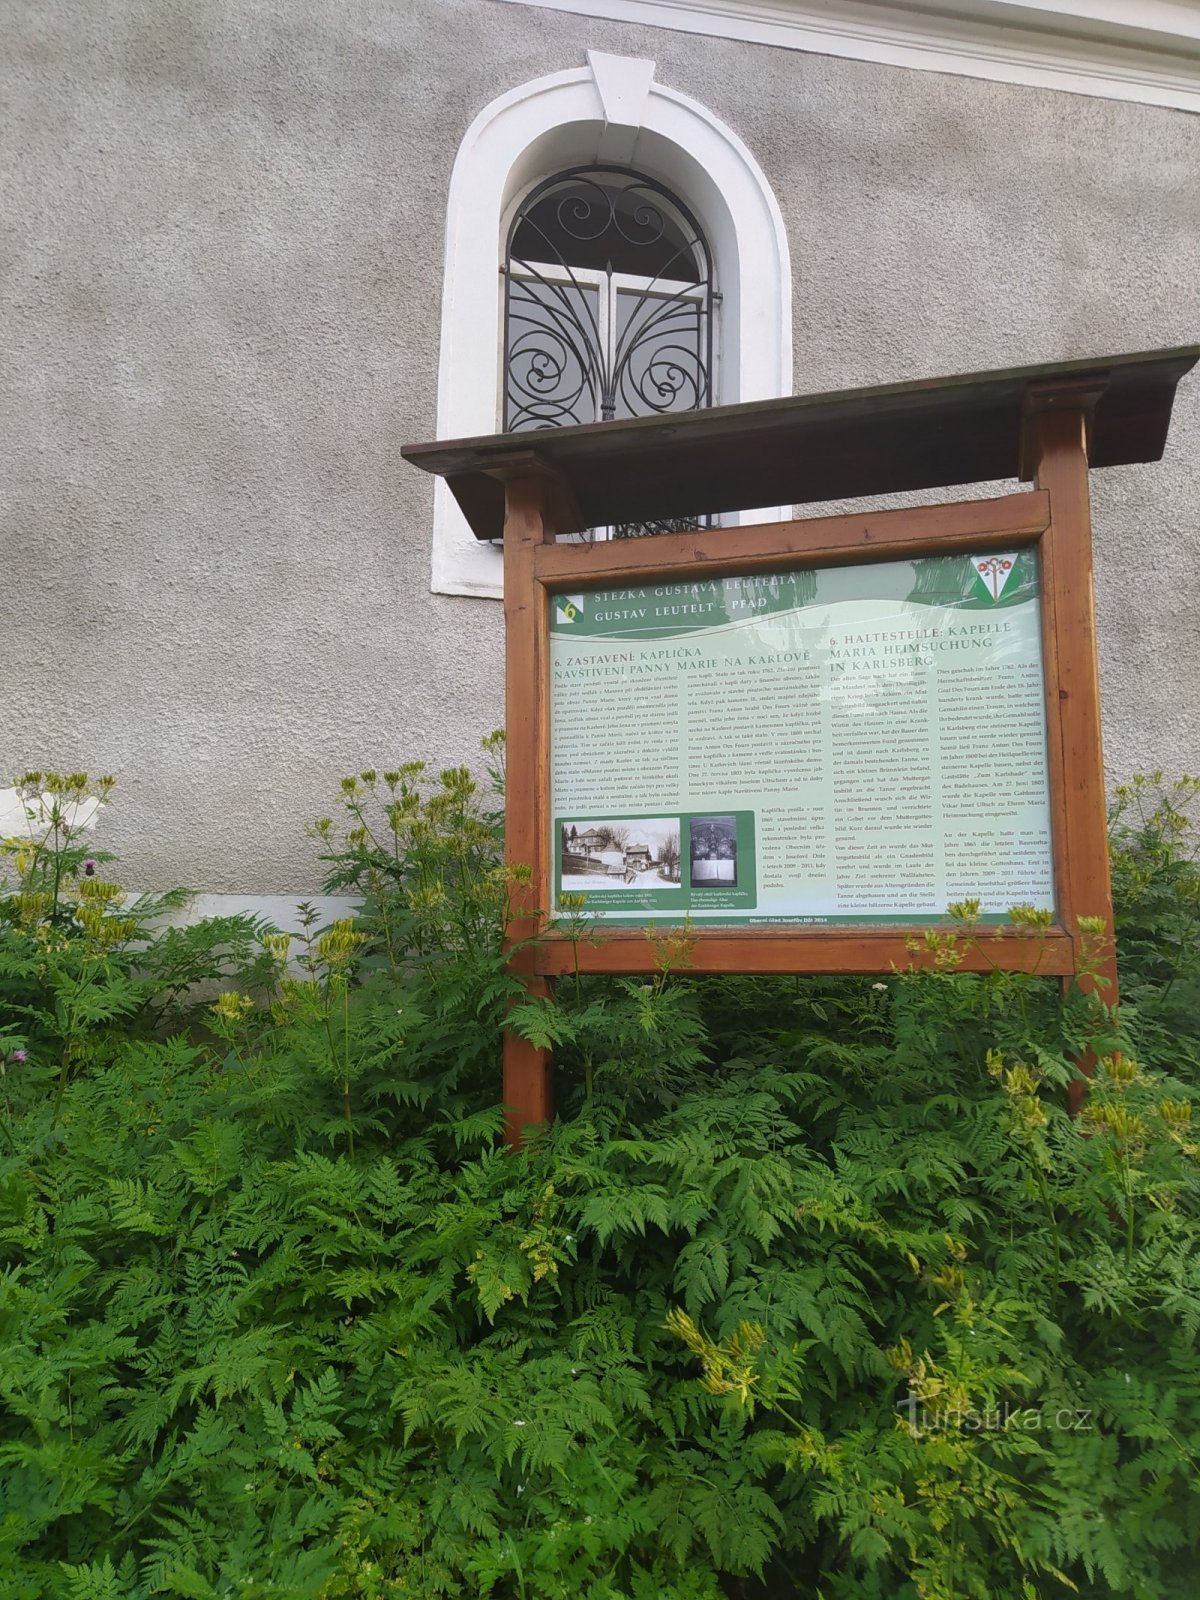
(851, 745)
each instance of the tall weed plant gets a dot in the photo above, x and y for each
(812, 1290)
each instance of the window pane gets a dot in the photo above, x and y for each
(553, 332)
(610, 224)
(661, 355)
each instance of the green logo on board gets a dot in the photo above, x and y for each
(992, 574)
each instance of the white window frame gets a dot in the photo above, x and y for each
(610, 111)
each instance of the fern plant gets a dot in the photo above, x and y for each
(812, 1290)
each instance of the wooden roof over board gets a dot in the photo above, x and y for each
(808, 448)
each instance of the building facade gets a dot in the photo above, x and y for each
(255, 247)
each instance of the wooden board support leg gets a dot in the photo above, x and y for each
(528, 1079)
(1055, 447)
(532, 497)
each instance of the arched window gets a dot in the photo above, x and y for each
(609, 302)
(611, 120)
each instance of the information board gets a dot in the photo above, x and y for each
(855, 745)
(807, 737)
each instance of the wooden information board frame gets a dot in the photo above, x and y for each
(1039, 423)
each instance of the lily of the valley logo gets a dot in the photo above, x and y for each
(993, 573)
(568, 608)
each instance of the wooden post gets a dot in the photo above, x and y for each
(528, 1084)
(1056, 453)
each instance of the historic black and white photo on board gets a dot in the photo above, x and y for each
(714, 852)
(620, 853)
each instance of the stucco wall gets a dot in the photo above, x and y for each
(220, 311)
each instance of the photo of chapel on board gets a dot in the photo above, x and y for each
(714, 852)
(620, 853)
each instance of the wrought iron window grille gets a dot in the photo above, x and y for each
(609, 308)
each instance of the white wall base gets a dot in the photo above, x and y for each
(280, 910)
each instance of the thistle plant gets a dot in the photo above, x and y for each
(423, 853)
(46, 851)
(84, 966)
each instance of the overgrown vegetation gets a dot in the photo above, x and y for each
(813, 1290)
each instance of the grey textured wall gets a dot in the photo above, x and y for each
(220, 309)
